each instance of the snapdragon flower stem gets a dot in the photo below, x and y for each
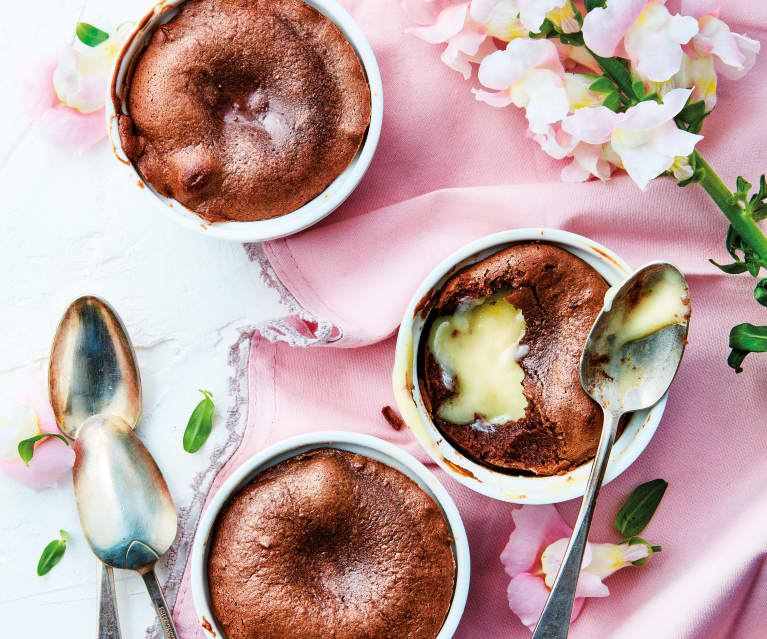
(745, 225)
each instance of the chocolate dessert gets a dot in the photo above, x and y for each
(245, 109)
(331, 544)
(500, 369)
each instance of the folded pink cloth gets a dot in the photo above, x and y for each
(449, 170)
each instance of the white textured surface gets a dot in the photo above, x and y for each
(69, 227)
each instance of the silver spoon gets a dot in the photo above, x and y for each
(126, 511)
(93, 370)
(630, 359)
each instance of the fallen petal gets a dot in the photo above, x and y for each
(70, 129)
(535, 527)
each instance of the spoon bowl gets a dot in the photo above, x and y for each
(126, 511)
(93, 367)
(634, 348)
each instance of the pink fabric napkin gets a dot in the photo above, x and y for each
(449, 170)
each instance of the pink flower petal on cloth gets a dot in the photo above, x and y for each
(36, 83)
(654, 43)
(527, 596)
(70, 129)
(699, 8)
(535, 527)
(591, 124)
(604, 27)
(52, 457)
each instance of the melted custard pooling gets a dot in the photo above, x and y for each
(478, 350)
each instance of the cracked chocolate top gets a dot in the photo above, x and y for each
(245, 109)
(560, 296)
(331, 544)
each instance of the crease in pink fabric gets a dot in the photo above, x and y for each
(449, 170)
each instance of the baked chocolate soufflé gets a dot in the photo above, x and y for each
(245, 109)
(556, 426)
(331, 544)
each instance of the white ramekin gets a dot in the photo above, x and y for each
(311, 212)
(485, 480)
(355, 443)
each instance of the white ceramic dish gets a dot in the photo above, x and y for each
(355, 443)
(311, 212)
(485, 480)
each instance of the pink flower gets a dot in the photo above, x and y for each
(65, 94)
(25, 412)
(734, 54)
(645, 137)
(466, 39)
(533, 556)
(652, 37)
(530, 75)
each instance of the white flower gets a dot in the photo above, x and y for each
(652, 37)
(645, 137)
(82, 75)
(599, 561)
(734, 54)
(466, 39)
(698, 74)
(528, 74)
(17, 423)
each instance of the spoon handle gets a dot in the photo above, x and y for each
(158, 599)
(554, 622)
(109, 623)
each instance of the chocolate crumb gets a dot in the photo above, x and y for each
(395, 421)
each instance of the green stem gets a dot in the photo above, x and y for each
(742, 222)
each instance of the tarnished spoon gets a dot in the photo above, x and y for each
(630, 359)
(93, 370)
(125, 508)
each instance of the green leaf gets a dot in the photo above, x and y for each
(52, 554)
(27, 446)
(593, 4)
(633, 541)
(572, 39)
(742, 187)
(691, 117)
(735, 359)
(639, 89)
(760, 292)
(547, 27)
(733, 242)
(745, 339)
(90, 35)
(613, 101)
(636, 512)
(618, 70)
(200, 424)
(602, 85)
(733, 269)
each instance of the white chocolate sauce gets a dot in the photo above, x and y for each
(479, 352)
